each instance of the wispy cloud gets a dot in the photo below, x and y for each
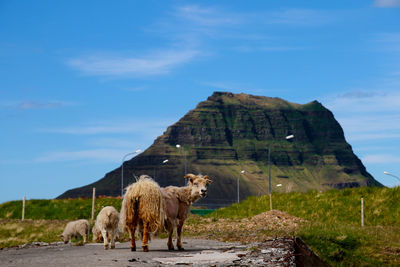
(387, 3)
(367, 115)
(388, 41)
(298, 17)
(117, 127)
(156, 63)
(207, 16)
(114, 143)
(381, 158)
(103, 155)
(218, 17)
(199, 24)
(365, 101)
(264, 48)
(28, 105)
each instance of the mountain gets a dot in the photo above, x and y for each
(229, 133)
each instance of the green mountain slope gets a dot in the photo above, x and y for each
(229, 132)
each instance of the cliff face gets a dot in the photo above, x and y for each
(229, 132)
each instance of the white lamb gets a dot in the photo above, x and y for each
(107, 225)
(75, 228)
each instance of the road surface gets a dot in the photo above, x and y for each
(197, 252)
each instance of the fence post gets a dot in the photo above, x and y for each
(93, 199)
(362, 212)
(23, 208)
(270, 201)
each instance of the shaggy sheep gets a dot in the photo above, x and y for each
(154, 208)
(177, 204)
(107, 226)
(143, 205)
(75, 228)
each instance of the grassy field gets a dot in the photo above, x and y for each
(333, 227)
(332, 222)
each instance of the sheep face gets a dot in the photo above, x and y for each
(198, 185)
(65, 238)
(97, 237)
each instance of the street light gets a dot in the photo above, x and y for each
(238, 199)
(388, 173)
(289, 137)
(154, 169)
(184, 155)
(122, 169)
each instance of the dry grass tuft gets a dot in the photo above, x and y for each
(263, 226)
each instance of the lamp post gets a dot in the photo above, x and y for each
(154, 169)
(238, 198)
(122, 169)
(388, 173)
(289, 137)
(184, 155)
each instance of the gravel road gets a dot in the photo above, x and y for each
(198, 252)
(93, 254)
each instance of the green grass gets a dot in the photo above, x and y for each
(334, 222)
(16, 232)
(332, 229)
(56, 209)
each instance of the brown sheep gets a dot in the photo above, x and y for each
(177, 204)
(107, 226)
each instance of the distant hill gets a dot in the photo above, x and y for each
(228, 133)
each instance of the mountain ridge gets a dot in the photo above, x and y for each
(230, 132)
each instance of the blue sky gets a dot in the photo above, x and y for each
(82, 83)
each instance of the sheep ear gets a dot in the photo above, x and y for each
(208, 180)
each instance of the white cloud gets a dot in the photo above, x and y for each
(115, 142)
(217, 17)
(387, 3)
(28, 105)
(389, 41)
(117, 127)
(298, 17)
(103, 155)
(209, 16)
(367, 115)
(380, 158)
(264, 48)
(365, 101)
(158, 63)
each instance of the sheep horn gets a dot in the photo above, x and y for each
(189, 175)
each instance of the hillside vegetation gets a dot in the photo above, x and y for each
(333, 228)
(330, 222)
(228, 133)
(56, 209)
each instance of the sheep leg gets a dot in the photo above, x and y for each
(112, 237)
(178, 233)
(132, 230)
(146, 235)
(105, 238)
(170, 244)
